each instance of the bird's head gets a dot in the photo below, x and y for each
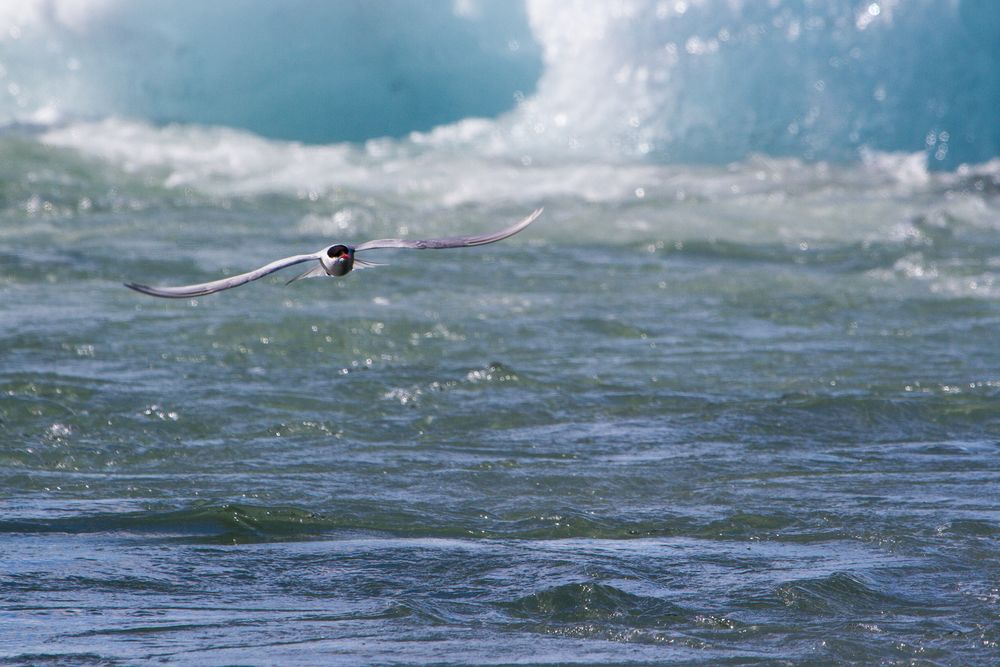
(338, 260)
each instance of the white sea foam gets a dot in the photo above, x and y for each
(761, 198)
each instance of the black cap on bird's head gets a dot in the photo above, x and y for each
(338, 260)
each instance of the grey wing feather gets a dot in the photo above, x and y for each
(201, 289)
(451, 241)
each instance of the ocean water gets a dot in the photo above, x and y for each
(724, 410)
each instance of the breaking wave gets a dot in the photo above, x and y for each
(685, 81)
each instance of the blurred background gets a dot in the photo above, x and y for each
(733, 398)
(684, 80)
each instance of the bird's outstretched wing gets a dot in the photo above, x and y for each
(450, 241)
(202, 289)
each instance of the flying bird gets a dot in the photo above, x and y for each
(335, 260)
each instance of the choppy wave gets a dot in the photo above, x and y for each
(837, 594)
(601, 603)
(228, 523)
(889, 216)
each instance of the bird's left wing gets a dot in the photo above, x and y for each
(201, 289)
(451, 241)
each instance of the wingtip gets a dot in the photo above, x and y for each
(141, 289)
(153, 291)
(531, 217)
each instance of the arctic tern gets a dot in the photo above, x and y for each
(335, 260)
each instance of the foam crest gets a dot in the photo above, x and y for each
(229, 162)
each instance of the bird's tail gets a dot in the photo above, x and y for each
(314, 272)
(362, 264)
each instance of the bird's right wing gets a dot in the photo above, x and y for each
(451, 241)
(201, 289)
